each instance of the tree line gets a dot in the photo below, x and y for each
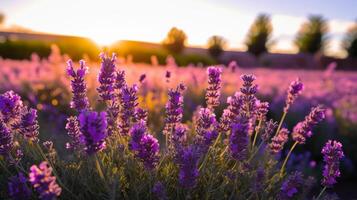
(311, 38)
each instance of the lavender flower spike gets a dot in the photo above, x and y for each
(174, 108)
(332, 152)
(303, 129)
(249, 90)
(235, 104)
(206, 129)
(6, 139)
(79, 87)
(10, 106)
(128, 106)
(44, 183)
(291, 186)
(295, 89)
(238, 139)
(188, 164)
(73, 131)
(18, 189)
(278, 141)
(106, 77)
(214, 85)
(28, 126)
(149, 151)
(93, 126)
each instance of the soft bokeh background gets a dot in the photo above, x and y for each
(275, 40)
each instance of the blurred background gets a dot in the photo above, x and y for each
(173, 41)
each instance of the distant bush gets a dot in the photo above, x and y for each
(259, 34)
(216, 45)
(350, 41)
(311, 37)
(175, 40)
(74, 47)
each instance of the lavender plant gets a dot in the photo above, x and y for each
(233, 157)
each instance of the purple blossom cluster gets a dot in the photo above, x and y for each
(214, 85)
(174, 108)
(44, 183)
(18, 189)
(332, 152)
(291, 186)
(206, 129)
(28, 125)
(249, 90)
(128, 104)
(188, 167)
(78, 85)
(106, 77)
(295, 89)
(235, 104)
(93, 127)
(10, 107)
(278, 141)
(262, 110)
(303, 129)
(239, 139)
(73, 131)
(144, 145)
(6, 139)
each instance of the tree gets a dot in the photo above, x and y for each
(175, 40)
(259, 35)
(216, 45)
(350, 41)
(311, 36)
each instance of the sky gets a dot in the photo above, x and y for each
(107, 21)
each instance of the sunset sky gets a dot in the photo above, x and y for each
(108, 21)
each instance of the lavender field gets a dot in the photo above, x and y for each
(119, 130)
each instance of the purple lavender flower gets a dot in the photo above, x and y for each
(332, 152)
(214, 85)
(174, 108)
(303, 129)
(238, 139)
(140, 114)
(28, 126)
(93, 127)
(262, 110)
(148, 152)
(6, 139)
(142, 78)
(235, 104)
(18, 189)
(188, 164)
(295, 89)
(119, 80)
(128, 105)
(291, 186)
(159, 191)
(44, 183)
(106, 77)
(137, 131)
(10, 106)
(278, 141)
(113, 111)
(73, 131)
(268, 131)
(249, 90)
(79, 87)
(206, 129)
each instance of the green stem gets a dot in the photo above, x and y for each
(322, 191)
(280, 123)
(99, 168)
(286, 159)
(256, 132)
